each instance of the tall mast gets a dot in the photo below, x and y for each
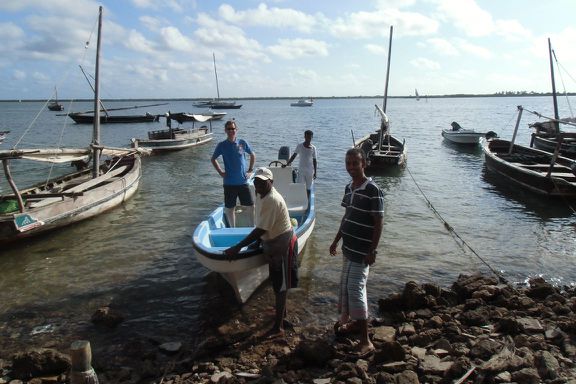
(554, 100)
(387, 71)
(96, 130)
(216, 75)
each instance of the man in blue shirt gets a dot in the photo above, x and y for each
(235, 173)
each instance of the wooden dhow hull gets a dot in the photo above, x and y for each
(250, 268)
(118, 119)
(529, 168)
(79, 197)
(392, 152)
(174, 140)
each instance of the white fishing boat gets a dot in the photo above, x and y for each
(303, 103)
(250, 268)
(3, 135)
(113, 177)
(459, 135)
(174, 139)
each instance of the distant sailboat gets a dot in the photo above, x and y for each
(54, 105)
(417, 95)
(217, 104)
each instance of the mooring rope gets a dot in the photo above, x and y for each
(463, 244)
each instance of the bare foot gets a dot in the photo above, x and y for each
(363, 350)
(273, 334)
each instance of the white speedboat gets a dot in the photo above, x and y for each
(250, 268)
(303, 103)
(458, 135)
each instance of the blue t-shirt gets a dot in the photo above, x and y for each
(234, 156)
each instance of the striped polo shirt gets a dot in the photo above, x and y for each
(362, 205)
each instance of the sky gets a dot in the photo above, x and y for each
(284, 48)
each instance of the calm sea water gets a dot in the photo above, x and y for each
(140, 255)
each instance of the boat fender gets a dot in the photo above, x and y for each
(490, 135)
(284, 153)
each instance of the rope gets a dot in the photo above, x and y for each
(549, 118)
(562, 81)
(462, 244)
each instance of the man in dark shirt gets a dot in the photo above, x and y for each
(360, 230)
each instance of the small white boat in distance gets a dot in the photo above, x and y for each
(458, 135)
(249, 269)
(303, 103)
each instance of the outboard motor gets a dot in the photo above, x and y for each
(284, 153)
(491, 135)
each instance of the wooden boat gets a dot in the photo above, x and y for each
(174, 139)
(250, 269)
(217, 104)
(382, 149)
(88, 118)
(458, 135)
(303, 103)
(182, 117)
(73, 197)
(547, 135)
(538, 171)
(55, 105)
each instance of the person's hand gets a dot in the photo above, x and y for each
(222, 173)
(333, 248)
(370, 258)
(314, 175)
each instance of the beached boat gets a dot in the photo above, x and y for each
(250, 268)
(458, 135)
(538, 171)
(174, 139)
(55, 105)
(547, 135)
(303, 103)
(382, 149)
(113, 177)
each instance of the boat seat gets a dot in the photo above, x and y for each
(296, 199)
(282, 177)
(82, 187)
(564, 175)
(227, 237)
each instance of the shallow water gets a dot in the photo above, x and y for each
(139, 256)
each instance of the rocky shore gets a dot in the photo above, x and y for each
(476, 331)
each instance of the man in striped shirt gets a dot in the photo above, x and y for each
(360, 231)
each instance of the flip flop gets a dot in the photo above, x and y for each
(363, 354)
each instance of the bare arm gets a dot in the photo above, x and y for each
(291, 158)
(217, 167)
(338, 236)
(252, 237)
(371, 256)
(315, 165)
(252, 161)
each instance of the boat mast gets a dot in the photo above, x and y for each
(216, 75)
(554, 99)
(96, 130)
(384, 102)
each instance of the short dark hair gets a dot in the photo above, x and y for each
(308, 132)
(229, 123)
(356, 151)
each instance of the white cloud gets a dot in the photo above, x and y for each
(174, 39)
(18, 75)
(473, 49)
(377, 49)
(425, 64)
(443, 47)
(512, 30)
(298, 48)
(467, 16)
(137, 42)
(368, 25)
(269, 17)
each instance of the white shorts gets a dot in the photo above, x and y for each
(306, 177)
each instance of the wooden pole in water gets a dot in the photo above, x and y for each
(96, 129)
(82, 371)
(520, 109)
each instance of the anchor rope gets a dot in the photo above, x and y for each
(462, 244)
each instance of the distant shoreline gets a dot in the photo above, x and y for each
(454, 96)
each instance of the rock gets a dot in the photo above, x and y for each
(39, 362)
(432, 365)
(107, 317)
(316, 353)
(539, 289)
(485, 348)
(383, 333)
(546, 364)
(406, 377)
(389, 352)
(526, 376)
(170, 347)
